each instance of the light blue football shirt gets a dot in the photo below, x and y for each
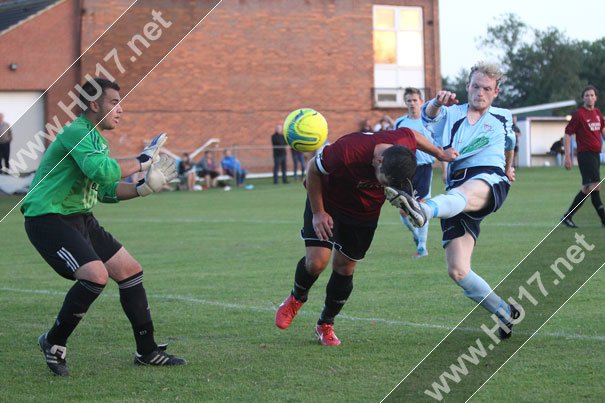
(422, 158)
(481, 144)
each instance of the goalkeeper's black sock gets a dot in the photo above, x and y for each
(576, 204)
(338, 290)
(134, 302)
(595, 197)
(77, 301)
(303, 281)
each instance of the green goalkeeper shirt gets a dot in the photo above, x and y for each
(74, 173)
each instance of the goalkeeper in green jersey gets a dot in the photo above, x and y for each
(76, 172)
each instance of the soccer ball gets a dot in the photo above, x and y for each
(305, 130)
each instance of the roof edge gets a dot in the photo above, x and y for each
(31, 17)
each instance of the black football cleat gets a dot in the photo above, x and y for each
(158, 357)
(508, 330)
(54, 355)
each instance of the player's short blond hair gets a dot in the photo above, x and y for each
(492, 70)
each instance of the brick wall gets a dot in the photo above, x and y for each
(43, 47)
(237, 75)
(251, 62)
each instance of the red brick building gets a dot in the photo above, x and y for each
(238, 73)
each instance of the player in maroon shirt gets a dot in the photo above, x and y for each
(587, 125)
(345, 192)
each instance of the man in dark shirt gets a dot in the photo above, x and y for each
(279, 154)
(345, 192)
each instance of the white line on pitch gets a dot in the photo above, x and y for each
(271, 308)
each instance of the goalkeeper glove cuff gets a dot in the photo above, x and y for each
(145, 162)
(143, 189)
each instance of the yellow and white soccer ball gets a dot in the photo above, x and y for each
(305, 130)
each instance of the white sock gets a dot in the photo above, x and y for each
(408, 224)
(445, 206)
(476, 288)
(422, 235)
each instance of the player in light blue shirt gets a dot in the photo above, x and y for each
(424, 165)
(477, 181)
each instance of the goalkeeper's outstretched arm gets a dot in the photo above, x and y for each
(149, 155)
(156, 177)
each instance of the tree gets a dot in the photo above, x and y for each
(592, 65)
(540, 66)
(546, 70)
(457, 85)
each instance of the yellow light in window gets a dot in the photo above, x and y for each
(384, 18)
(385, 51)
(410, 18)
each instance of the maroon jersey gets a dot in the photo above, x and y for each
(586, 125)
(349, 181)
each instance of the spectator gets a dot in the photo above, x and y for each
(6, 136)
(366, 126)
(279, 154)
(517, 132)
(298, 158)
(207, 169)
(386, 123)
(232, 167)
(558, 150)
(186, 173)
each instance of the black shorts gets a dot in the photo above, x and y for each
(589, 164)
(350, 237)
(457, 226)
(422, 181)
(68, 242)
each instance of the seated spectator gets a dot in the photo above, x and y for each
(207, 169)
(186, 172)
(558, 150)
(232, 167)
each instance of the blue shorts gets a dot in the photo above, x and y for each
(457, 226)
(422, 181)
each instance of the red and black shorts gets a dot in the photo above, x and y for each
(68, 242)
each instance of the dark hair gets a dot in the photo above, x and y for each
(94, 89)
(588, 88)
(399, 166)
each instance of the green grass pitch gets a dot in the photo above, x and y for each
(218, 263)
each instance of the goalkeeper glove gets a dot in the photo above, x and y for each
(151, 153)
(157, 176)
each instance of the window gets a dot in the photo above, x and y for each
(398, 51)
(398, 36)
(385, 42)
